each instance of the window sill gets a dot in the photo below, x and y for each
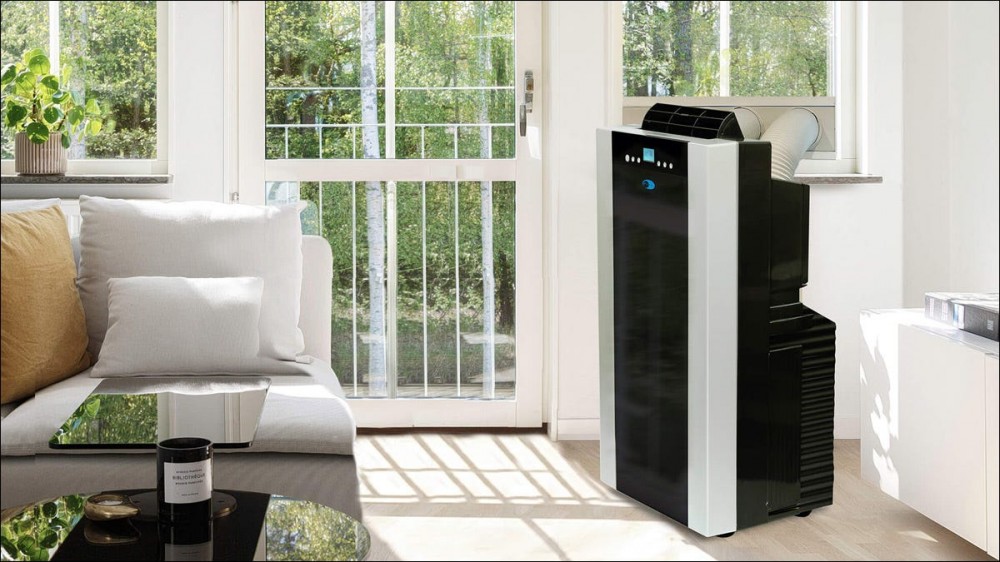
(87, 179)
(837, 179)
(122, 186)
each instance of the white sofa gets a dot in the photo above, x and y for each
(303, 447)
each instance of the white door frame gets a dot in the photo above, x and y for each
(526, 170)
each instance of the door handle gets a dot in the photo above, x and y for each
(529, 101)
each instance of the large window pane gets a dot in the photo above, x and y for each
(780, 48)
(453, 83)
(111, 49)
(313, 64)
(454, 304)
(671, 48)
(109, 52)
(738, 48)
(23, 26)
(455, 66)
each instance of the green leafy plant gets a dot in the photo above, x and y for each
(38, 103)
(37, 531)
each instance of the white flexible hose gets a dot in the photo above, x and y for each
(790, 136)
(749, 122)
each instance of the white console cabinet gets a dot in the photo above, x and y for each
(929, 420)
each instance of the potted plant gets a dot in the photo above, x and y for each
(44, 115)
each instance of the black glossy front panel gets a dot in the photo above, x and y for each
(651, 322)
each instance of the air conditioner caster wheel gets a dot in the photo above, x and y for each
(726, 535)
(805, 513)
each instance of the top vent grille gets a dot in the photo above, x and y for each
(692, 122)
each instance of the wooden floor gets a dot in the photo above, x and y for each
(524, 497)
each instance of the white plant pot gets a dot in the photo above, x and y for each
(46, 159)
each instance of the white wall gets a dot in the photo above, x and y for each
(856, 241)
(926, 146)
(575, 89)
(197, 103)
(950, 147)
(973, 102)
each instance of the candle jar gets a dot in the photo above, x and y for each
(184, 480)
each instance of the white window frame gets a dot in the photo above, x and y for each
(122, 166)
(253, 170)
(837, 113)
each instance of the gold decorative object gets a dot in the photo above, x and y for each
(109, 507)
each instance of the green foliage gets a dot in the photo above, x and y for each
(36, 103)
(111, 48)
(111, 418)
(454, 70)
(780, 48)
(34, 533)
(313, 65)
(299, 530)
(776, 48)
(423, 211)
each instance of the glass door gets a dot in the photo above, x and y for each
(405, 128)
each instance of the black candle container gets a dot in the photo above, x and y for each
(184, 480)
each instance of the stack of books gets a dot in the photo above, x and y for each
(975, 313)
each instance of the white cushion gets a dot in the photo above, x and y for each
(20, 205)
(120, 238)
(180, 326)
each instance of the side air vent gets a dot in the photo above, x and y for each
(692, 122)
(815, 344)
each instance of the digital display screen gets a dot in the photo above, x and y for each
(648, 155)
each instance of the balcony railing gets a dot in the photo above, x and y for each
(394, 131)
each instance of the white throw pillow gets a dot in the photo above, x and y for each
(129, 238)
(178, 325)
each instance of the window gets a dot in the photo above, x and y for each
(765, 55)
(396, 123)
(443, 86)
(107, 51)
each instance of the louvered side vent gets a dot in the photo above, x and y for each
(816, 417)
(697, 122)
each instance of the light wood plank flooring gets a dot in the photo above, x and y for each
(524, 497)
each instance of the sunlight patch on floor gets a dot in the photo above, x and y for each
(521, 496)
(524, 471)
(918, 535)
(501, 538)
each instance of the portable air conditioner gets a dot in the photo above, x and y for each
(716, 381)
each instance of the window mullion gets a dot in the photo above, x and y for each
(390, 79)
(54, 37)
(724, 58)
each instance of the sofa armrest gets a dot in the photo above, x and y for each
(316, 300)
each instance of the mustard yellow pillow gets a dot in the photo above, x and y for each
(43, 333)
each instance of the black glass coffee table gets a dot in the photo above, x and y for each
(139, 412)
(263, 527)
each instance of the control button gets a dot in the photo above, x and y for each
(671, 166)
(628, 158)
